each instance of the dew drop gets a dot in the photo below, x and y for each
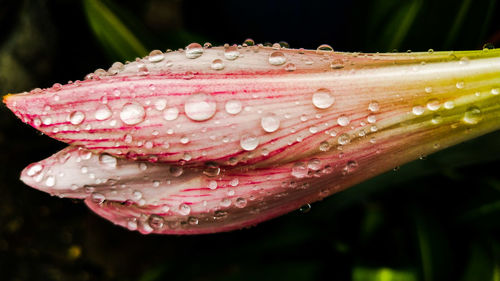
(249, 42)
(76, 117)
(34, 170)
(314, 164)
(156, 222)
(212, 185)
(325, 48)
(171, 113)
(290, 67)
(217, 64)
(175, 171)
(249, 142)
(200, 107)
(495, 91)
(233, 106)
(132, 113)
(270, 123)
(194, 50)
(103, 113)
(323, 98)
(156, 56)
(344, 139)
(418, 110)
(473, 115)
(240, 202)
(324, 146)
(277, 58)
(50, 181)
(433, 104)
(343, 120)
(351, 166)
(373, 106)
(305, 208)
(231, 52)
(107, 160)
(460, 85)
(160, 104)
(211, 170)
(97, 198)
(184, 209)
(299, 170)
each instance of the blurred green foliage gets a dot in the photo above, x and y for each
(432, 220)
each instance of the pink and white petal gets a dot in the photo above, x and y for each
(178, 107)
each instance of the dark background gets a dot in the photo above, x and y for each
(433, 219)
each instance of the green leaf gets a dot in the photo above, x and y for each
(117, 39)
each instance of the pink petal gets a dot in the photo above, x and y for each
(125, 113)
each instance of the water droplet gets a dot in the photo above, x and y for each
(34, 170)
(233, 107)
(277, 58)
(184, 209)
(231, 52)
(212, 184)
(371, 119)
(495, 91)
(171, 113)
(314, 164)
(351, 166)
(473, 115)
(324, 146)
(50, 181)
(343, 120)
(132, 113)
(192, 221)
(305, 209)
(103, 113)
(323, 98)
(156, 56)
(240, 202)
(290, 67)
(373, 106)
(194, 50)
(249, 42)
(270, 123)
(160, 104)
(226, 202)
(325, 48)
(299, 170)
(143, 166)
(344, 139)
(47, 121)
(433, 104)
(418, 110)
(449, 105)
(207, 45)
(76, 117)
(436, 119)
(460, 85)
(97, 198)
(234, 182)
(107, 160)
(156, 222)
(217, 64)
(211, 170)
(184, 140)
(200, 107)
(175, 171)
(249, 142)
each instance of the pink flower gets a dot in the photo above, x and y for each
(214, 139)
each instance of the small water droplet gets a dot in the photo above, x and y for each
(371, 119)
(343, 120)
(495, 91)
(473, 115)
(171, 113)
(212, 184)
(249, 42)
(143, 166)
(184, 140)
(34, 170)
(314, 164)
(344, 139)
(200, 107)
(249, 142)
(217, 64)
(373, 106)
(192, 221)
(156, 56)
(103, 113)
(240, 202)
(97, 198)
(351, 166)
(233, 107)
(76, 117)
(324, 146)
(50, 181)
(132, 113)
(277, 58)
(290, 67)
(107, 160)
(418, 110)
(270, 123)
(184, 209)
(436, 119)
(299, 170)
(449, 105)
(433, 104)
(460, 85)
(305, 209)
(324, 48)
(194, 50)
(231, 52)
(160, 104)
(323, 98)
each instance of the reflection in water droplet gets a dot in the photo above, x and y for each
(277, 58)
(343, 120)
(270, 122)
(249, 142)
(325, 48)
(156, 56)
(184, 209)
(103, 113)
(76, 117)
(433, 104)
(373, 106)
(344, 139)
(231, 52)
(233, 107)
(323, 98)
(132, 113)
(473, 115)
(194, 50)
(299, 170)
(217, 64)
(418, 110)
(200, 107)
(107, 160)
